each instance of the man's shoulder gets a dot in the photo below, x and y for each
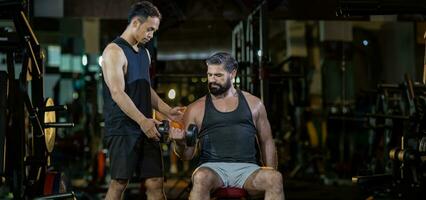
(251, 99)
(195, 111)
(112, 48)
(197, 104)
(113, 55)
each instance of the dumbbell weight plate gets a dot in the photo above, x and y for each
(49, 133)
(191, 135)
(163, 129)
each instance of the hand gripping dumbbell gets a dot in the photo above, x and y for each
(163, 129)
(191, 133)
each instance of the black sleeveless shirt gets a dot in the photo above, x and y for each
(137, 87)
(228, 136)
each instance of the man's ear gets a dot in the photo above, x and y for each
(234, 73)
(134, 22)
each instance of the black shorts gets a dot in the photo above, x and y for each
(134, 157)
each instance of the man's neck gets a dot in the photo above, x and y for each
(128, 37)
(229, 93)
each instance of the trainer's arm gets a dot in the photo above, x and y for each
(159, 104)
(267, 144)
(113, 73)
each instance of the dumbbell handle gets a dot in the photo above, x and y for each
(163, 129)
(191, 135)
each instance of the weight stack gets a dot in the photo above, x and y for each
(3, 107)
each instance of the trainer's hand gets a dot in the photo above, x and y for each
(176, 114)
(177, 135)
(148, 126)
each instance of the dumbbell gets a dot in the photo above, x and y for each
(191, 133)
(163, 129)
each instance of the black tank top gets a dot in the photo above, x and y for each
(228, 136)
(137, 87)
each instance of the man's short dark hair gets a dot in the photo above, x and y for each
(224, 58)
(143, 10)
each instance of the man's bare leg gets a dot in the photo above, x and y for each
(204, 181)
(154, 188)
(268, 180)
(116, 189)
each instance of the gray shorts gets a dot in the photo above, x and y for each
(232, 174)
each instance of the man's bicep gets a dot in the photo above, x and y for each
(113, 70)
(189, 117)
(262, 124)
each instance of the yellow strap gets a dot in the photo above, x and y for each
(312, 132)
(324, 132)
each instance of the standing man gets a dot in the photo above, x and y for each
(229, 121)
(130, 132)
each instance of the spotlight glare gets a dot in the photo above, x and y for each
(100, 59)
(84, 60)
(172, 94)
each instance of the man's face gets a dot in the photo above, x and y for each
(144, 31)
(219, 80)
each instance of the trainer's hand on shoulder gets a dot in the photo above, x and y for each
(148, 126)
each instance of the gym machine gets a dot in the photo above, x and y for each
(28, 123)
(404, 144)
